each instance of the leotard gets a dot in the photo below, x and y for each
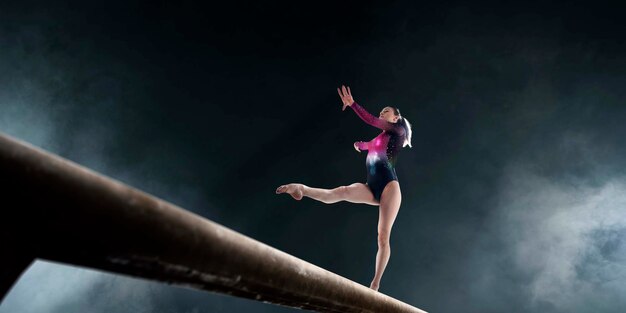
(382, 151)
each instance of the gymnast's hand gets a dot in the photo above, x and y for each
(346, 96)
(356, 146)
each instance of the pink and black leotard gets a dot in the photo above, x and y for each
(382, 151)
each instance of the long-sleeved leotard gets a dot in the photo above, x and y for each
(382, 151)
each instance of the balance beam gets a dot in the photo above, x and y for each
(63, 212)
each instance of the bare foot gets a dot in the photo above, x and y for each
(294, 190)
(374, 286)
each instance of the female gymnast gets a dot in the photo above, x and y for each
(382, 187)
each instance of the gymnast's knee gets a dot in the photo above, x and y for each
(342, 192)
(383, 239)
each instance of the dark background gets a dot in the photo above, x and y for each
(513, 192)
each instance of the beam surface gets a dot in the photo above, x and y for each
(61, 211)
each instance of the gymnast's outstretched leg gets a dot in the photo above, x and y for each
(390, 201)
(355, 193)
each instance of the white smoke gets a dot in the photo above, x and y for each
(564, 239)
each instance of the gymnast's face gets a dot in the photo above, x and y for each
(388, 115)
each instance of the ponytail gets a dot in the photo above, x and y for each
(407, 131)
(407, 128)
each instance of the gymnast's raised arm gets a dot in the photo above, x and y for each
(346, 98)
